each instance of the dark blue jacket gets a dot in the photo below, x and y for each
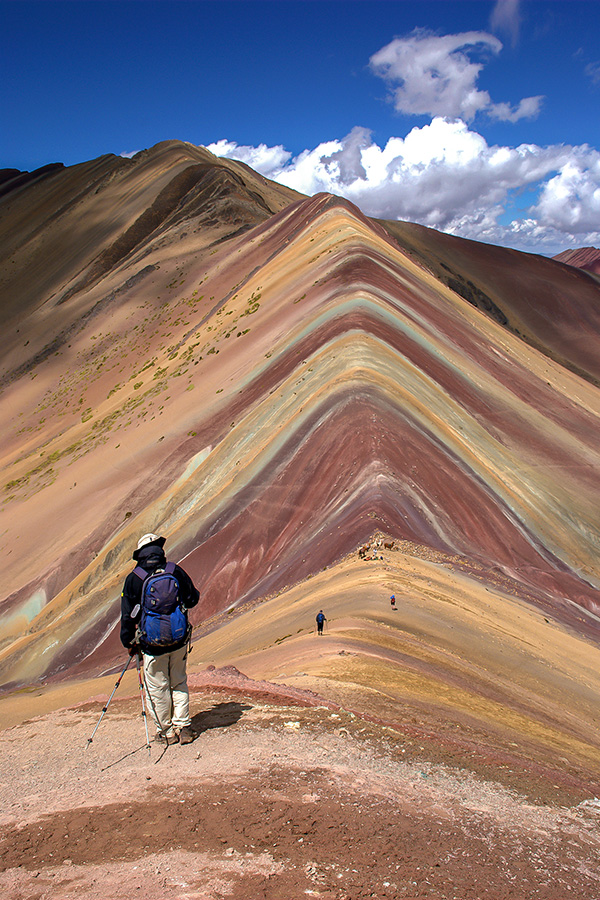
(149, 559)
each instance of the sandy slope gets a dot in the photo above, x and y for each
(376, 761)
(274, 800)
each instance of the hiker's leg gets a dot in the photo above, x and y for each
(179, 688)
(158, 688)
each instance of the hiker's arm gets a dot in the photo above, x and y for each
(189, 591)
(129, 599)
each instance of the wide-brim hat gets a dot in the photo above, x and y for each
(148, 540)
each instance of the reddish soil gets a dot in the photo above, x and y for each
(275, 801)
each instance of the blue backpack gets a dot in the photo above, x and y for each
(163, 619)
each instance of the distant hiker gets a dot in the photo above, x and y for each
(393, 601)
(320, 621)
(154, 603)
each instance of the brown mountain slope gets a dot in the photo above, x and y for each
(550, 307)
(586, 258)
(63, 234)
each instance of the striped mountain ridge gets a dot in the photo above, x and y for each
(587, 258)
(270, 380)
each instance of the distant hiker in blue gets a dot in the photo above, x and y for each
(320, 621)
(154, 623)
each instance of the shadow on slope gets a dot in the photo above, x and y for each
(551, 306)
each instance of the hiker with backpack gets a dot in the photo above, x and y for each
(154, 624)
(320, 621)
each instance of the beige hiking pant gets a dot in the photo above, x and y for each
(165, 679)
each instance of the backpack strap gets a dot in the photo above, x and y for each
(142, 574)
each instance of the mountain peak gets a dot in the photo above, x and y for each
(587, 258)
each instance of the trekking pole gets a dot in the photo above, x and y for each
(90, 739)
(144, 716)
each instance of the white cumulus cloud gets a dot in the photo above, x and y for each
(266, 160)
(571, 199)
(434, 75)
(446, 176)
(506, 17)
(592, 70)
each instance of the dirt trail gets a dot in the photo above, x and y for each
(281, 796)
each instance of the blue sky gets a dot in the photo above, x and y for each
(478, 118)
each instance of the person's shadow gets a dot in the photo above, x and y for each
(220, 716)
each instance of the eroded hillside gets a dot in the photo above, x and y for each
(270, 381)
(317, 410)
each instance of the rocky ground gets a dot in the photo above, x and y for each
(281, 796)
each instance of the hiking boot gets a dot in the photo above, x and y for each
(187, 735)
(161, 738)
